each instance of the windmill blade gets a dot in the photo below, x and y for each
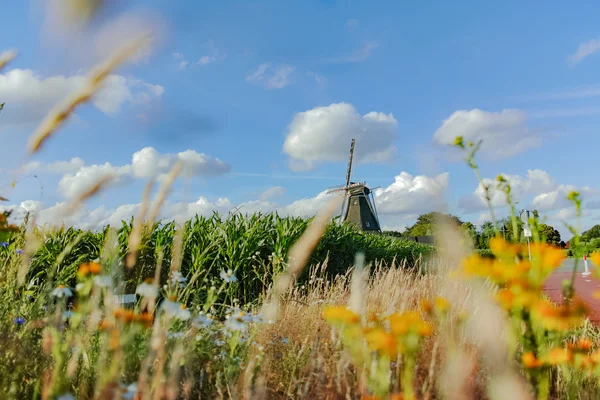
(350, 163)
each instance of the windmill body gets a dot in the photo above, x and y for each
(358, 208)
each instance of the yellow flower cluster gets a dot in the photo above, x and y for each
(511, 266)
(577, 354)
(521, 281)
(391, 335)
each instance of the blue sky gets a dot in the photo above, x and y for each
(236, 80)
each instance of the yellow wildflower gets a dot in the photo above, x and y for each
(381, 341)
(595, 257)
(560, 317)
(340, 315)
(558, 356)
(442, 304)
(501, 248)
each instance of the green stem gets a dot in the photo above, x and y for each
(408, 377)
(487, 197)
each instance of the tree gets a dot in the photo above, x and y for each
(426, 223)
(549, 234)
(470, 231)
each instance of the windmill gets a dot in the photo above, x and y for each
(358, 207)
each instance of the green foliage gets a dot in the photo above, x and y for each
(485, 253)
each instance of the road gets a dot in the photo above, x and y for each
(585, 286)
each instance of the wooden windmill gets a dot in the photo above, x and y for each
(358, 207)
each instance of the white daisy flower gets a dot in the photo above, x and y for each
(176, 310)
(177, 277)
(175, 335)
(147, 290)
(203, 321)
(228, 276)
(237, 321)
(62, 291)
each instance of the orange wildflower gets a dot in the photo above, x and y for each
(83, 270)
(144, 319)
(91, 267)
(124, 315)
(529, 360)
(95, 268)
(560, 317)
(582, 345)
(114, 339)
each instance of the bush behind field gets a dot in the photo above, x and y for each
(254, 247)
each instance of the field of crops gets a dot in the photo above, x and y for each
(253, 248)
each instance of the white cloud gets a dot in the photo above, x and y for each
(503, 134)
(65, 167)
(148, 162)
(29, 96)
(271, 193)
(557, 198)
(73, 184)
(145, 163)
(410, 194)
(320, 80)
(538, 190)
(584, 50)
(324, 134)
(183, 64)
(537, 181)
(205, 60)
(399, 202)
(278, 79)
(362, 54)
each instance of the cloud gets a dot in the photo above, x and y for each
(538, 190)
(503, 134)
(557, 198)
(277, 79)
(402, 200)
(584, 50)
(145, 163)
(65, 167)
(74, 184)
(271, 193)
(205, 60)
(324, 134)
(409, 195)
(183, 64)
(29, 96)
(362, 54)
(320, 80)
(148, 162)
